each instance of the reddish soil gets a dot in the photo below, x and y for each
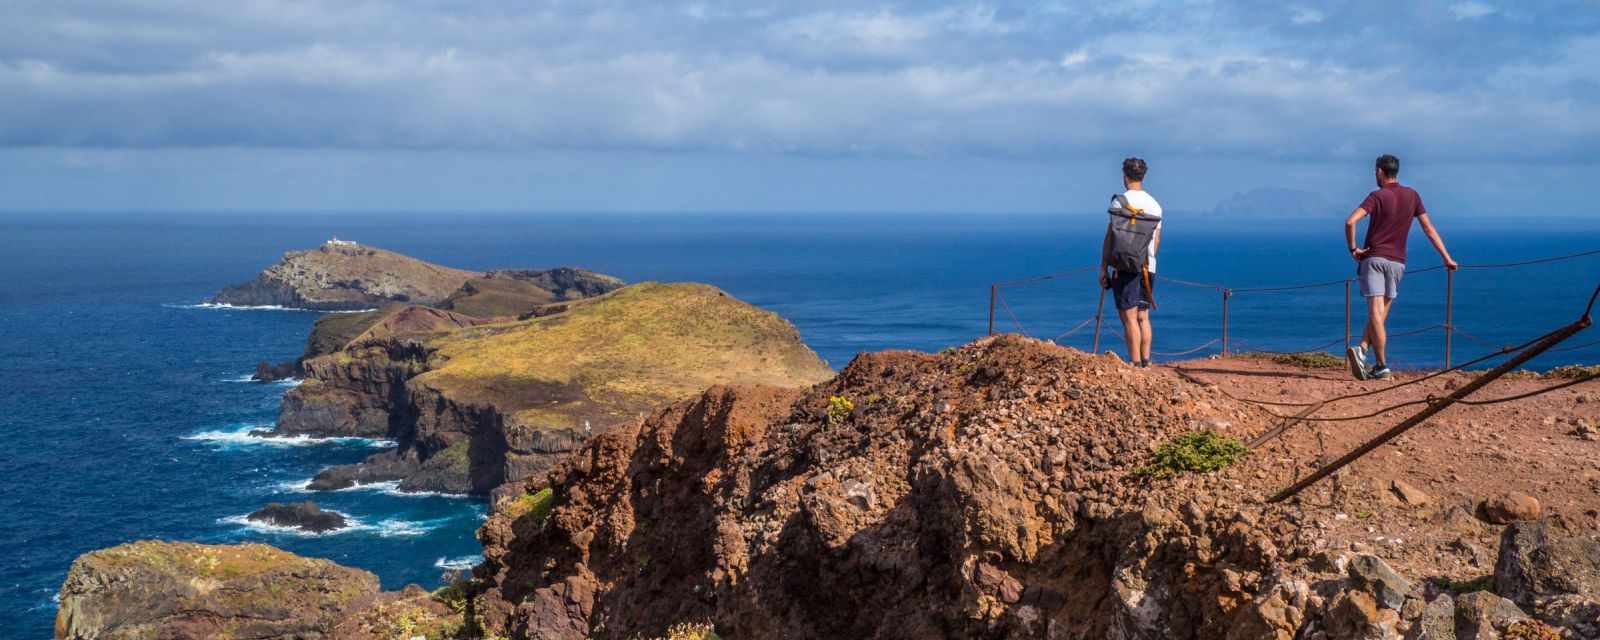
(1458, 458)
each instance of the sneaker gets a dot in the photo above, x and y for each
(1380, 372)
(1356, 356)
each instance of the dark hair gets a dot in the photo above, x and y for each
(1134, 169)
(1389, 165)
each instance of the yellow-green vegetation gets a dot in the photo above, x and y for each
(535, 505)
(612, 356)
(839, 407)
(1304, 359)
(691, 631)
(215, 562)
(1531, 630)
(454, 595)
(1458, 587)
(1573, 372)
(1200, 451)
(407, 620)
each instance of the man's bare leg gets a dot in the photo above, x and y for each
(1132, 332)
(1376, 336)
(1145, 335)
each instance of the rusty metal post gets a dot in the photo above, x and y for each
(1441, 404)
(1226, 293)
(1099, 313)
(1347, 313)
(993, 289)
(1449, 312)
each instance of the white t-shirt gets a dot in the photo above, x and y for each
(1147, 204)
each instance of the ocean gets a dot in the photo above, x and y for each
(124, 404)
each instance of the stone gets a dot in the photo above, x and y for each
(1354, 615)
(1483, 615)
(1410, 495)
(305, 516)
(1371, 574)
(1438, 621)
(1535, 564)
(1509, 507)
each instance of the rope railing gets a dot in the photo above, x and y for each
(998, 304)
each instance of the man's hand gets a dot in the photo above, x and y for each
(1451, 264)
(1358, 254)
(1105, 280)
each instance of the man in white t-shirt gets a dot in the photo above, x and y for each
(1134, 292)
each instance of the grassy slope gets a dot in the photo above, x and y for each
(620, 353)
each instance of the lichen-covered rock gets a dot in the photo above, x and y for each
(1372, 574)
(1484, 616)
(1540, 560)
(174, 590)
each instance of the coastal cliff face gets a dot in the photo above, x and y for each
(180, 590)
(477, 405)
(342, 276)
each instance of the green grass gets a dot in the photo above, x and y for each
(1304, 359)
(1194, 452)
(534, 505)
(1458, 587)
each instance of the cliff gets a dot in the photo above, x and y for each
(181, 590)
(345, 276)
(477, 405)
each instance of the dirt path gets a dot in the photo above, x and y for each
(1460, 457)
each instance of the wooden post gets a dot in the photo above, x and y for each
(993, 289)
(1449, 312)
(1099, 312)
(1347, 313)
(1226, 293)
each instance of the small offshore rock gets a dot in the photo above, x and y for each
(305, 516)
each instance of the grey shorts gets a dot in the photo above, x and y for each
(1128, 290)
(1380, 277)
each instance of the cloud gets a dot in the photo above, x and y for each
(825, 79)
(1471, 10)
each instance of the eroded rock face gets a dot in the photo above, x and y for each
(191, 591)
(980, 494)
(344, 276)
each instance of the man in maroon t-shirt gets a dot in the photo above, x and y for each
(1382, 261)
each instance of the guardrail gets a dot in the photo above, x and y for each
(998, 304)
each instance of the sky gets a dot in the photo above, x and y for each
(662, 106)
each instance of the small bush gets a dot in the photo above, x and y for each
(838, 408)
(535, 505)
(1573, 372)
(686, 631)
(1197, 451)
(1458, 587)
(1304, 359)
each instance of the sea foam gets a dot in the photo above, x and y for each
(458, 564)
(389, 488)
(243, 437)
(386, 528)
(223, 306)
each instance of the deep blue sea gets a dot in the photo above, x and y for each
(122, 404)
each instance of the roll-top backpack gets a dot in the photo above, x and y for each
(1131, 231)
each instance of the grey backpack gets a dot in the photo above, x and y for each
(1131, 230)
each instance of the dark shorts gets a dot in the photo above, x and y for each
(1129, 290)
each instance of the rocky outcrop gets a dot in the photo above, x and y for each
(520, 293)
(339, 276)
(305, 516)
(181, 590)
(477, 406)
(268, 372)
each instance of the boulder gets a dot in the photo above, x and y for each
(1537, 562)
(1410, 495)
(305, 516)
(1509, 507)
(1438, 620)
(153, 589)
(1355, 615)
(1483, 616)
(1371, 574)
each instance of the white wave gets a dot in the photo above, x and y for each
(389, 488)
(223, 306)
(243, 437)
(289, 382)
(386, 528)
(458, 564)
(55, 601)
(286, 382)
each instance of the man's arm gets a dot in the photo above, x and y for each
(1438, 242)
(1155, 240)
(1350, 233)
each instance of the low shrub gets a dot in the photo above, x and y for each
(1201, 451)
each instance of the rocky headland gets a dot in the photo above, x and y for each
(343, 276)
(1008, 488)
(476, 404)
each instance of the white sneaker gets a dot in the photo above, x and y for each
(1356, 356)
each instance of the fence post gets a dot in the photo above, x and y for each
(1099, 312)
(1449, 312)
(1226, 293)
(1347, 313)
(992, 290)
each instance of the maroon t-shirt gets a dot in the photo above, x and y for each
(1390, 210)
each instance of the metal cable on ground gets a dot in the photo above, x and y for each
(1175, 354)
